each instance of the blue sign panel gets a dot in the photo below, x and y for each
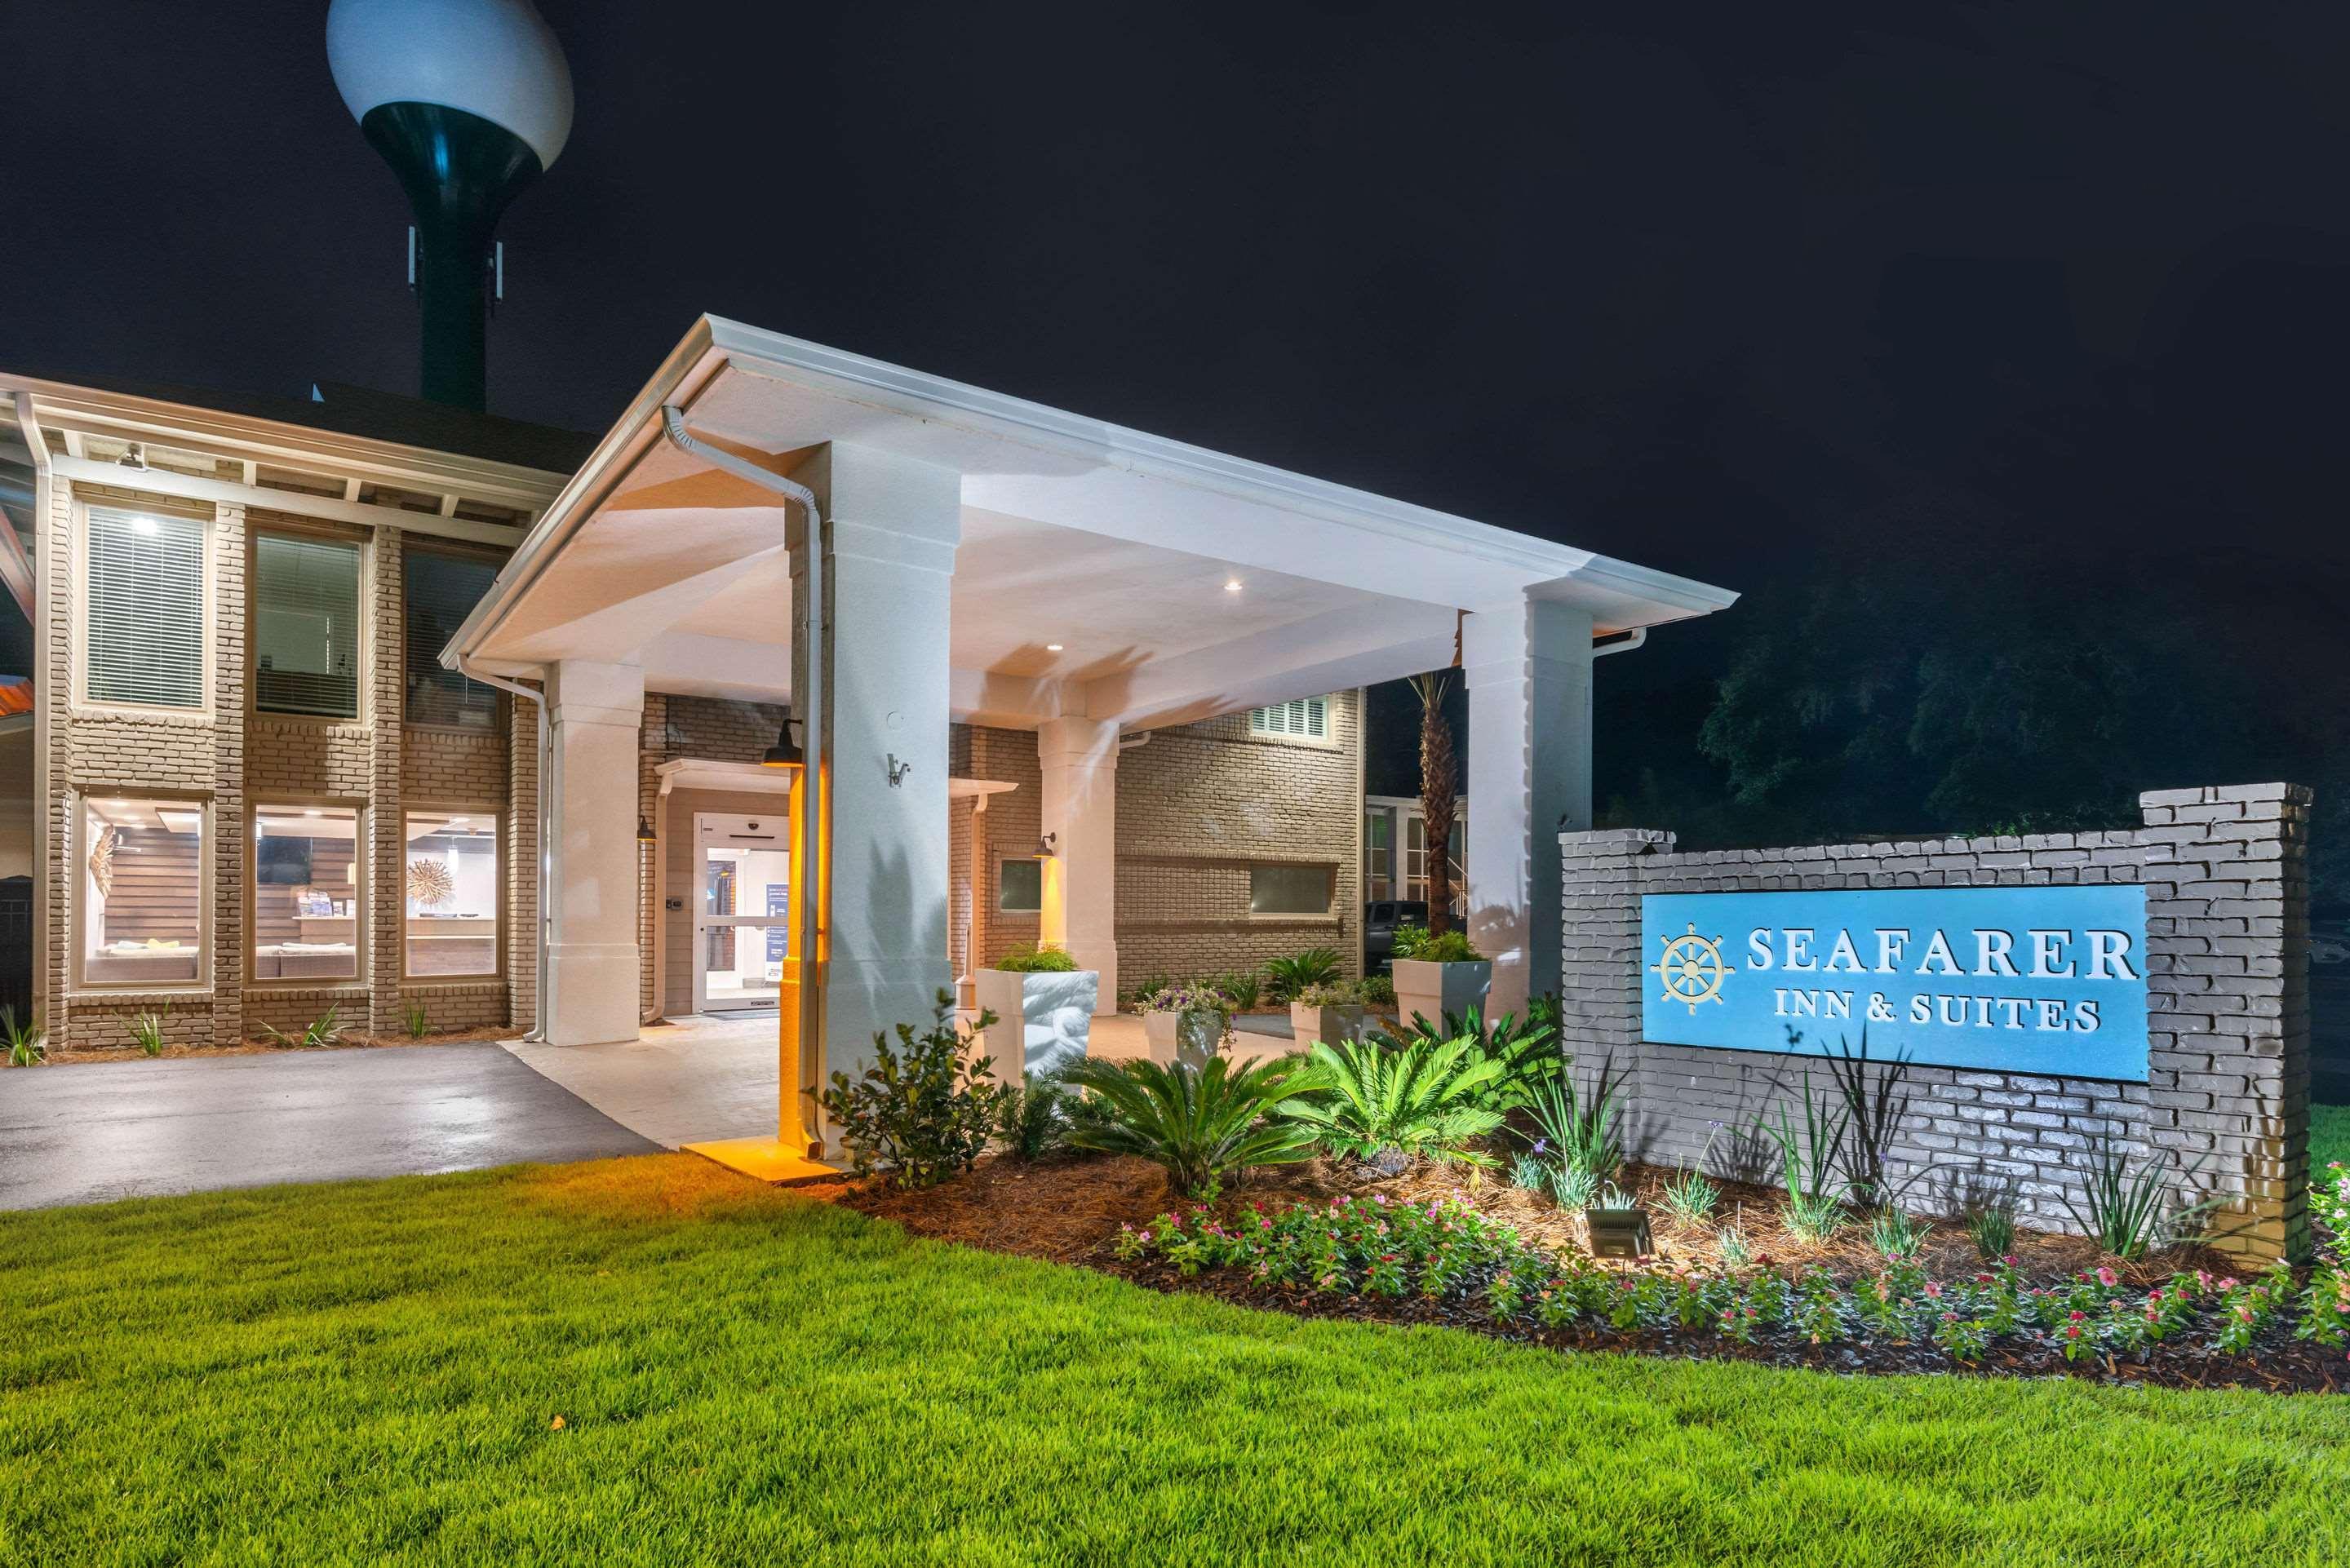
(2021, 979)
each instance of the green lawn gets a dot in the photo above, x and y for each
(2329, 1135)
(370, 1371)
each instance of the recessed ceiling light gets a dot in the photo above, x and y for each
(1232, 584)
(1052, 648)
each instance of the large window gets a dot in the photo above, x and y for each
(1289, 889)
(1379, 852)
(143, 892)
(1020, 887)
(305, 626)
(1308, 718)
(144, 630)
(305, 893)
(451, 872)
(442, 587)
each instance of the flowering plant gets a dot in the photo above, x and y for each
(1188, 997)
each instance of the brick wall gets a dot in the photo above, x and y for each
(230, 759)
(2227, 975)
(1198, 806)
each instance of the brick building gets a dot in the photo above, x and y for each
(262, 796)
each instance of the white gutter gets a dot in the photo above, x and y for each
(545, 849)
(1625, 644)
(808, 707)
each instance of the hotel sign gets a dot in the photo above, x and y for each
(2049, 980)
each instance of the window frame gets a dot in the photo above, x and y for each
(1329, 875)
(292, 527)
(1327, 739)
(497, 814)
(501, 703)
(362, 856)
(1035, 861)
(207, 519)
(78, 979)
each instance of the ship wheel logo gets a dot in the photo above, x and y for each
(1692, 968)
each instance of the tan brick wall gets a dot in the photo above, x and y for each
(232, 759)
(1198, 807)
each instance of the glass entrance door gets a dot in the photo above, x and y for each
(742, 878)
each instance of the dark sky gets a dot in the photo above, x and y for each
(1737, 291)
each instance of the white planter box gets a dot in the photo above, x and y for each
(1190, 1038)
(1331, 1025)
(1433, 990)
(1041, 1020)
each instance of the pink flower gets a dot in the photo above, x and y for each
(1934, 1289)
(2077, 1316)
(2074, 1332)
(2106, 1277)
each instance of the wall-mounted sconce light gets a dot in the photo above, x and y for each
(786, 752)
(898, 771)
(1045, 850)
(644, 831)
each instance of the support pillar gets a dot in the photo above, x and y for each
(1079, 803)
(1528, 669)
(594, 710)
(892, 527)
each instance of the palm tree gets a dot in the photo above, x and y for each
(1439, 793)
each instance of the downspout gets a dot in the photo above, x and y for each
(809, 707)
(545, 850)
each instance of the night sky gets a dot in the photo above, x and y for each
(1744, 293)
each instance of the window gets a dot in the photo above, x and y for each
(1308, 718)
(144, 626)
(305, 626)
(305, 893)
(143, 892)
(1289, 889)
(450, 873)
(441, 588)
(1020, 887)
(1377, 852)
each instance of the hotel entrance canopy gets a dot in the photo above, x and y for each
(993, 561)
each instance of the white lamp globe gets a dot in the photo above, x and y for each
(493, 58)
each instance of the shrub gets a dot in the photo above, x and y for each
(417, 1021)
(1578, 1125)
(1286, 977)
(1187, 998)
(1414, 943)
(146, 1029)
(1342, 993)
(1030, 959)
(1532, 1173)
(1140, 997)
(1992, 1230)
(1690, 1197)
(922, 1109)
(1809, 1155)
(1526, 1053)
(1243, 989)
(1198, 1125)
(1874, 1105)
(1029, 1123)
(2128, 1211)
(27, 1043)
(1379, 989)
(1421, 1099)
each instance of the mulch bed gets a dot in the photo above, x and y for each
(1067, 1209)
(351, 1040)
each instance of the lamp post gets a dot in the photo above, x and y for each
(468, 102)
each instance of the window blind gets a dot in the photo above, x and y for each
(145, 636)
(1307, 716)
(442, 591)
(306, 630)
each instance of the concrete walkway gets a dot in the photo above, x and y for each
(90, 1133)
(693, 1080)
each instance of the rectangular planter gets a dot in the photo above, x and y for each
(1331, 1025)
(1042, 1021)
(1190, 1038)
(1434, 990)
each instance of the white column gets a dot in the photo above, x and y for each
(893, 527)
(594, 711)
(1528, 667)
(1079, 806)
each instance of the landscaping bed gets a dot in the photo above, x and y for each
(1072, 1210)
(346, 1040)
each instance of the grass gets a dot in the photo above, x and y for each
(2329, 1136)
(371, 1371)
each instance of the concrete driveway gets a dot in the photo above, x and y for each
(89, 1133)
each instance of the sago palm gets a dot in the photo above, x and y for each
(1363, 1098)
(1196, 1125)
